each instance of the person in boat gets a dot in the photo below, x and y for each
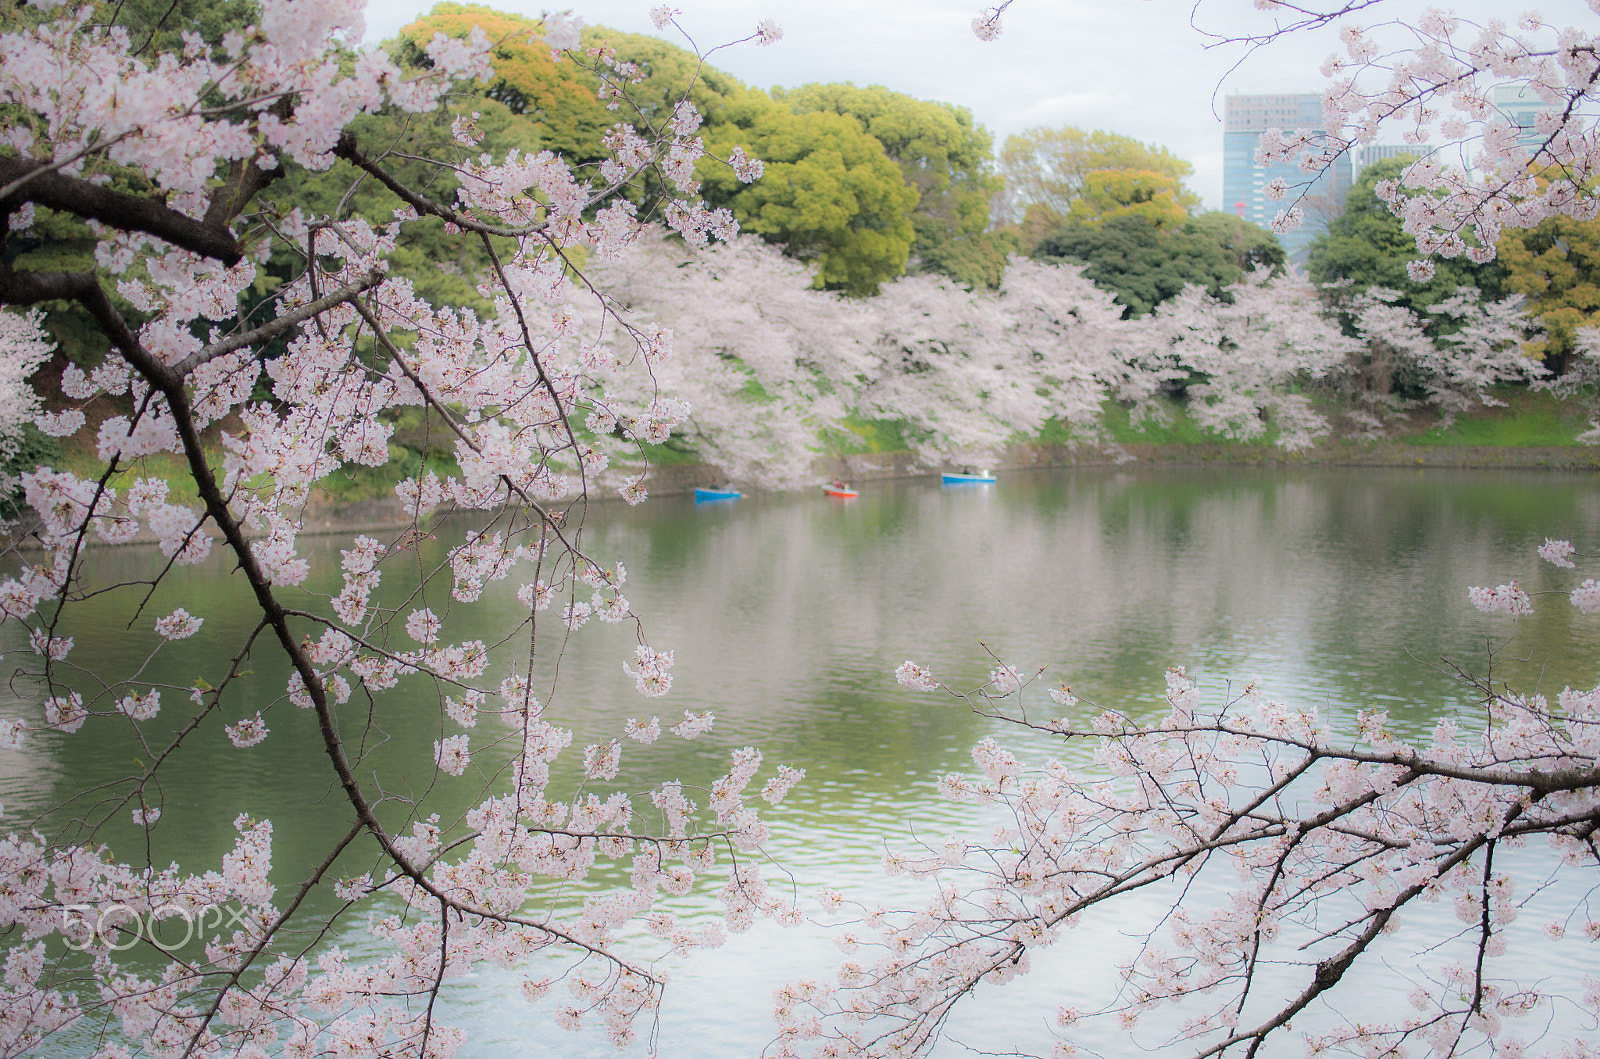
(838, 483)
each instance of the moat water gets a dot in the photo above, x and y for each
(788, 614)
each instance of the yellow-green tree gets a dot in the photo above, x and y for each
(558, 99)
(1107, 193)
(831, 196)
(1048, 167)
(1556, 266)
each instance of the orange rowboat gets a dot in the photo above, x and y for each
(841, 492)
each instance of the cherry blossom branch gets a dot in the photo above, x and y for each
(348, 149)
(276, 617)
(397, 358)
(219, 131)
(245, 962)
(279, 324)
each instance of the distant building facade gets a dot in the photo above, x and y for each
(1376, 152)
(1520, 107)
(1244, 182)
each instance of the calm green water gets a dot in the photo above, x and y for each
(788, 615)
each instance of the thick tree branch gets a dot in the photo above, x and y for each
(35, 182)
(245, 180)
(31, 288)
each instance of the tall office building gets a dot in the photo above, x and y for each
(1244, 182)
(1377, 152)
(1518, 105)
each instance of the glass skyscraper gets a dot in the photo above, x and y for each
(1519, 106)
(1377, 152)
(1244, 182)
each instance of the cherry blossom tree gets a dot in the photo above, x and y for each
(175, 160)
(774, 372)
(1248, 348)
(1291, 855)
(768, 365)
(973, 371)
(23, 347)
(1450, 359)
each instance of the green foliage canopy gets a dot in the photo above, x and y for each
(945, 156)
(1145, 265)
(1367, 246)
(830, 194)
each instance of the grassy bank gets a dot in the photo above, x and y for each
(1524, 419)
(1527, 420)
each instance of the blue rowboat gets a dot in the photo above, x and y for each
(703, 495)
(951, 478)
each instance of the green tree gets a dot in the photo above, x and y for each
(974, 260)
(1249, 246)
(945, 156)
(1145, 265)
(1367, 246)
(830, 194)
(559, 99)
(157, 26)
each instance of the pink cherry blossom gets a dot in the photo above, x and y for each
(451, 755)
(1506, 599)
(1557, 552)
(915, 677)
(179, 625)
(248, 732)
(140, 707)
(422, 626)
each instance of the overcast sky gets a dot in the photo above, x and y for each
(1136, 67)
